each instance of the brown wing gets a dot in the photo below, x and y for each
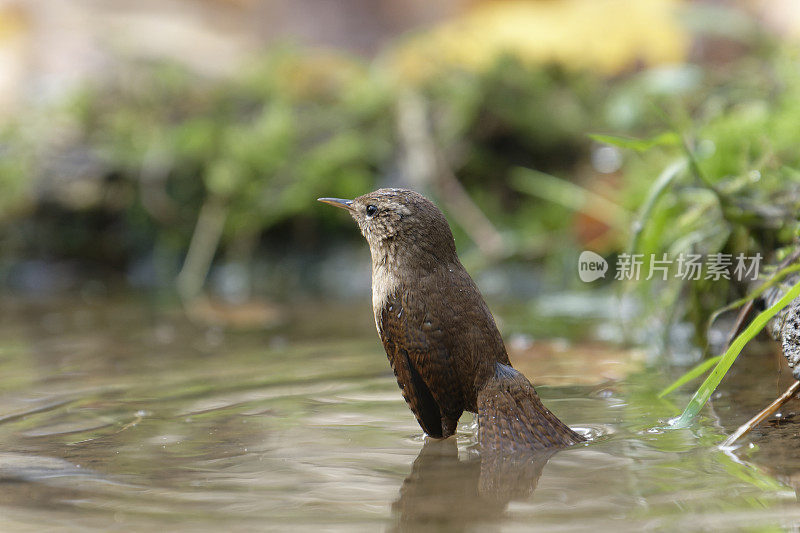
(413, 341)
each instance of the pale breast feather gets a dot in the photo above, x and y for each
(384, 283)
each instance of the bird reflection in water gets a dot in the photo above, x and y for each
(443, 492)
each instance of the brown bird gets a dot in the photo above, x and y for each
(438, 333)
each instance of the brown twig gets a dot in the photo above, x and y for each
(741, 319)
(426, 165)
(745, 428)
(202, 247)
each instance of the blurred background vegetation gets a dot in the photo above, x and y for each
(179, 147)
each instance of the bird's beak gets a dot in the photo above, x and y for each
(338, 202)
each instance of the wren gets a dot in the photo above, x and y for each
(441, 339)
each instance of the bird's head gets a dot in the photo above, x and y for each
(400, 221)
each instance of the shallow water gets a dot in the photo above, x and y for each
(118, 416)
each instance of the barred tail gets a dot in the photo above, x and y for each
(512, 418)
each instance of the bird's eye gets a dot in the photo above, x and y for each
(371, 210)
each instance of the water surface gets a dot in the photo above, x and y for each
(121, 416)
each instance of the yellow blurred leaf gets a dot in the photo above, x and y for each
(607, 36)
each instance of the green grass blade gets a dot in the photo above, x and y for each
(668, 138)
(712, 381)
(772, 281)
(660, 186)
(568, 194)
(689, 375)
